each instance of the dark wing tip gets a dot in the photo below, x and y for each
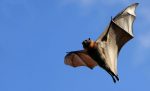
(135, 4)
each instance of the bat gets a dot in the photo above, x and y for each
(105, 50)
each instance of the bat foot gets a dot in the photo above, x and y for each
(117, 78)
(114, 80)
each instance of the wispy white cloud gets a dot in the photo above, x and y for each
(142, 50)
(89, 3)
(144, 13)
(85, 6)
(80, 3)
(144, 40)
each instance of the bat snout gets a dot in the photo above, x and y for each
(86, 43)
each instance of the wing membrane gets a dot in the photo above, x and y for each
(116, 35)
(79, 58)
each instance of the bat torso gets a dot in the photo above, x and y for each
(96, 54)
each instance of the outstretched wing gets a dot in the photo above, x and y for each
(79, 58)
(116, 35)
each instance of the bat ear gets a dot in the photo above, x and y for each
(89, 39)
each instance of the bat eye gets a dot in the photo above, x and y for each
(89, 39)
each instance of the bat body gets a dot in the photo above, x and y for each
(96, 53)
(104, 51)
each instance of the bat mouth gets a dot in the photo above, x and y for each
(84, 43)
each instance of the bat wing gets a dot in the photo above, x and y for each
(79, 58)
(116, 35)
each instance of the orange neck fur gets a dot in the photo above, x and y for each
(92, 44)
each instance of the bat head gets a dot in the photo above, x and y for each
(88, 43)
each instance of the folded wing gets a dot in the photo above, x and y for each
(79, 58)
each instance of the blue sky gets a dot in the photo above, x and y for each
(36, 34)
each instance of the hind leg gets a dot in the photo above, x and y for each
(117, 78)
(114, 80)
